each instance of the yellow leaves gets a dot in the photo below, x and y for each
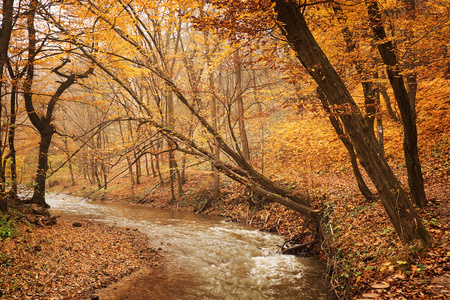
(387, 266)
(306, 143)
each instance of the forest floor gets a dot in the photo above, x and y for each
(71, 259)
(365, 258)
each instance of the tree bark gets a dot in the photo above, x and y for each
(365, 191)
(387, 101)
(386, 49)
(41, 175)
(174, 172)
(411, 77)
(5, 34)
(379, 120)
(402, 214)
(157, 161)
(5, 37)
(240, 108)
(11, 142)
(215, 192)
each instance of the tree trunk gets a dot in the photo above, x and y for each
(157, 161)
(130, 170)
(5, 34)
(402, 214)
(411, 151)
(172, 180)
(216, 151)
(365, 191)
(215, 147)
(11, 142)
(5, 37)
(146, 165)
(137, 163)
(41, 174)
(387, 101)
(183, 168)
(379, 119)
(411, 77)
(97, 176)
(174, 172)
(127, 157)
(152, 166)
(262, 127)
(240, 108)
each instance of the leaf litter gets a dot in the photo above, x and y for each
(64, 261)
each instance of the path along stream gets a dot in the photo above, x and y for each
(206, 257)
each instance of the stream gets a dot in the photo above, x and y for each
(206, 257)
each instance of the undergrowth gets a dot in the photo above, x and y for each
(8, 228)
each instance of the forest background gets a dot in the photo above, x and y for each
(151, 95)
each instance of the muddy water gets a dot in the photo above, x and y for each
(207, 257)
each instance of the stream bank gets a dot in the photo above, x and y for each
(64, 261)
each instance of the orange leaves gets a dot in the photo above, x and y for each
(433, 124)
(306, 144)
(236, 19)
(65, 262)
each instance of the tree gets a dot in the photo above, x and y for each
(404, 218)
(5, 37)
(43, 123)
(240, 112)
(405, 103)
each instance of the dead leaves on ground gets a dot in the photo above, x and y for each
(68, 262)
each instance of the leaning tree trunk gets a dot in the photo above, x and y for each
(386, 49)
(402, 214)
(363, 188)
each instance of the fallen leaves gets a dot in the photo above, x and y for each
(67, 262)
(381, 285)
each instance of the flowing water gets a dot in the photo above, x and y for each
(206, 257)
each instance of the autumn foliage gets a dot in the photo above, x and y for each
(216, 85)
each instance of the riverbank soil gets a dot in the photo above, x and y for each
(365, 258)
(67, 260)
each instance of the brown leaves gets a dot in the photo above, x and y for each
(237, 20)
(67, 262)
